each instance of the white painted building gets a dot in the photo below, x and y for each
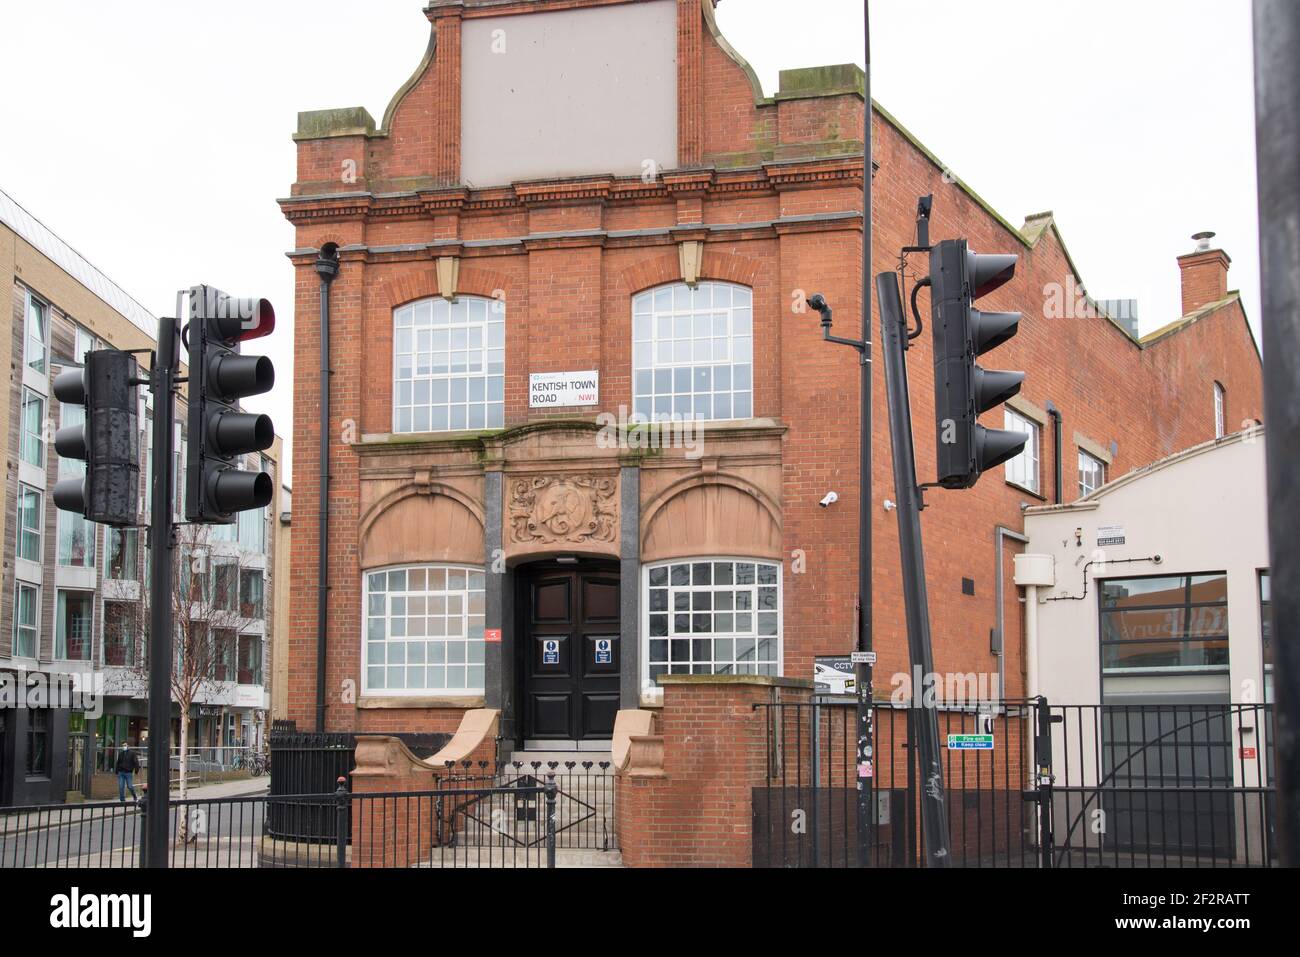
(1151, 588)
(1146, 618)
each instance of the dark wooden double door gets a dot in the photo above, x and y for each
(570, 654)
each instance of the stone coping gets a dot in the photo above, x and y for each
(762, 681)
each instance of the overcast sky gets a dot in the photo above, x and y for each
(154, 136)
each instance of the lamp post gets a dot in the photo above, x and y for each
(864, 659)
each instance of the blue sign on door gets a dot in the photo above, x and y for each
(604, 651)
(550, 652)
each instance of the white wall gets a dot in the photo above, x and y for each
(569, 93)
(1203, 511)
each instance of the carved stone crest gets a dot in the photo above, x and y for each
(563, 509)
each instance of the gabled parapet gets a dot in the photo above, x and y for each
(722, 117)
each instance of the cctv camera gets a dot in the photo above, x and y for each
(830, 499)
(817, 301)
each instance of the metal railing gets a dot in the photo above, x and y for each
(1031, 784)
(446, 827)
(812, 779)
(205, 763)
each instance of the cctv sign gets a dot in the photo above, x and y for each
(555, 390)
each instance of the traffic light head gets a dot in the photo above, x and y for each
(962, 389)
(107, 440)
(219, 434)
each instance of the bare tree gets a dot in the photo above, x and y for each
(206, 619)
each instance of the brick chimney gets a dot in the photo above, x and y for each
(1205, 274)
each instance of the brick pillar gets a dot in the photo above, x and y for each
(690, 83)
(693, 807)
(446, 64)
(391, 828)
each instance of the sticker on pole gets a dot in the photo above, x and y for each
(970, 742)
(604, 651)
(863, 657)
(550, 652)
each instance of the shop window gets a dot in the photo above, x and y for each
(449, 365)
(424, 630)
(693, 352)
(712, 617)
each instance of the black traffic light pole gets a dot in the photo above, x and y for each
(934, 811)
(1277, 80)
(161, 548)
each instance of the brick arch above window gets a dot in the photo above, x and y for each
(413, 284)
(399, 528)
(717, 514)
(663, 266)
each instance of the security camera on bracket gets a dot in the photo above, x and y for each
(829, 499)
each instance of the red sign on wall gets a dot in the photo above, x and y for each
(492, 635)
(1248, 754)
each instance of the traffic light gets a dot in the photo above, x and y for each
(215, 488)
(108, 441)
(962, 390)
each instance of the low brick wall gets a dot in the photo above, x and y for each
(694, 810)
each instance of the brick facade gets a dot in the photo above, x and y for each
(771, 186)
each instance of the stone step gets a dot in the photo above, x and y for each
(497, 857)
(526, 758)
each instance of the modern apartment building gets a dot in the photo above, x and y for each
(74, 607)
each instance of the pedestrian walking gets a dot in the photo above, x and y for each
(128, 762)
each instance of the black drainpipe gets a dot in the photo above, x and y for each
(1055, 413)
(327, 267)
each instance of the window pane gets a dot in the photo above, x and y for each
(431, 615)
(33, 423)
(73, 626)
(714, 637)
(36, 335)
(1023, 469)
(448, 375)
(685, 348)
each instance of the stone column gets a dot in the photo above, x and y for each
(499, 659)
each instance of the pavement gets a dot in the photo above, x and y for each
(65, 814)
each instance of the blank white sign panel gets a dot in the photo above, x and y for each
(569, 93)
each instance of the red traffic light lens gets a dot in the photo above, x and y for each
(262, 324)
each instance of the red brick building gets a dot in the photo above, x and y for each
(648, 222)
